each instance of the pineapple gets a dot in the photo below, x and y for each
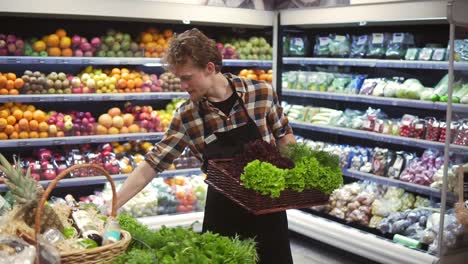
(27, 192)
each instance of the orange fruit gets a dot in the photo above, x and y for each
(23, 124)
(33, 125)
(39, 116)
(33, 134)
(19, 83)
(14, 92)
(43, 134)
(147, 54)
(14, 135)
(147, 37)
(3, 80)
(3, 136)
(3, 123)
(115, 71)
(31, 108)
(138, 82)
(53, 40)
(10, 84)
(54, 51)
(131, 84)
(124, 70)
(11, 120)
(23, 135)
(9, 129)
(45, 38)
(243, 72)
(65, 42)
(122, 83)
(28, 115)
(43, 127)
(67, 52)
(18, 114)
(16, 126)
(3, 91)
(4, 113)
(168, 33)
(11, 76)
(61, 33)
(39, 46)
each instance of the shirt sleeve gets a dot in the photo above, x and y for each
(174, 141)
(276, 120)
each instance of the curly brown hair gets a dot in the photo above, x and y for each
(192, 44)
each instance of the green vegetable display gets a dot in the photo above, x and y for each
(313, 170)
(264, 177)
(180, 246)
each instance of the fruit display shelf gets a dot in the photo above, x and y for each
(92, 180)
(434, 65)
(404, 141)
(55, 141)
(150, 62)
(421, 189)
(90, 97)
(460, 108)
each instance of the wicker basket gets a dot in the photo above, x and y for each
(460, 210)
(229, 185)
(87, 256)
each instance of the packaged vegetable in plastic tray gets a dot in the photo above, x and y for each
(418, 128)
(425, 54)
(405, 126)
(398, 45)
(412, 54)
(461, 137)
(438, 54)
(379, 161)
(301, 81)
(339, 46)
(397, 165)
(339, 84)
(410, 89)
(355, 84)
(453, 130)
(324, 79)
(359, 46)
(391, 87)
(379, 88)
(298, 46)
(433, 129)
(368, 86)
(292, 79)
(312, 83)
(371, 116)
(377, 45)
(321, 48)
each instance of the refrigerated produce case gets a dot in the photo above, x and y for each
(419, 17)
(315, 29)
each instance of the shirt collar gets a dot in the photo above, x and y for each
(239, 85)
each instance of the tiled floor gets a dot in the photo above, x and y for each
(308, 251)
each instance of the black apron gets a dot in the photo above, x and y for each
(226, 218)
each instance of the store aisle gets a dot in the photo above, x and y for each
(308, 251)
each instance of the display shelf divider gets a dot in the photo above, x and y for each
(55, 141)
(92, 180)
(461, 108)
(404, 141)
(378, 63)
(182, 219)
(421, 189)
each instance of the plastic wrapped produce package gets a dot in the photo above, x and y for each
(359, 46)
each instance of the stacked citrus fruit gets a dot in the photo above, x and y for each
(257, 74)
(9, 84)
(21, 121)
(56, 44)
(155, 42)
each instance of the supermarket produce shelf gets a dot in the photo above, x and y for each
(404, 141)
(84, 181)
(434, 65)
(151, 62)
(421, 189)
(461, 108)
(91, 97)
(55, 141)
(185, 219)
(356, 241)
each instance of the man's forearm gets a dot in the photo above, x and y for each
(286, 140)
(137, 180)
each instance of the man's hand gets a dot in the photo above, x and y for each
(284, 141)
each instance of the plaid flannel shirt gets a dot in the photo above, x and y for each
(186, 128)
